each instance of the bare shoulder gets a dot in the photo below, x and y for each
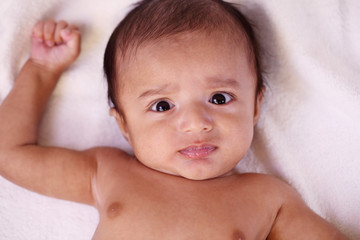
(267, 183)
(112, 173)
(106, 157)
(263, 186)
(107, 152)
(294, 219)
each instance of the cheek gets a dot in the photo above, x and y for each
(148, 137)
(237, 129)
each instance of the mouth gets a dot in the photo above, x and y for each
(197, 152)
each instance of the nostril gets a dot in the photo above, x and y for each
(197, 126)
(208, 128)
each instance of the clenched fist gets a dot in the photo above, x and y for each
(55, 45)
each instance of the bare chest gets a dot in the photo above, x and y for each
(157, 210)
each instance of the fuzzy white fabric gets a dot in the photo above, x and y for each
(308, 134)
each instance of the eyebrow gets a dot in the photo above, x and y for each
(154, 91)
(212, 83)
(227, 82)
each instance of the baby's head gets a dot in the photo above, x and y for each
(185, 80)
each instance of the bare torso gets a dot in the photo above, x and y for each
(135, 202)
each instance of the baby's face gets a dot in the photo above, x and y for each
(189, 105)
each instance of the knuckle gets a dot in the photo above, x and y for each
(50, 21)
(49, 29)
(74, 27)
(62, 23)
(39, 26)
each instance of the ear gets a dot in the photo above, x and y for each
(258, 101)
(121, 122)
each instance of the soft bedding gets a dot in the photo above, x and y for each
(308, 134)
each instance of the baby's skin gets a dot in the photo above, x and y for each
(198, 195)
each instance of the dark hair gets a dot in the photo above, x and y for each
(154, 19)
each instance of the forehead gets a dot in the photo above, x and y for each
(185, 54)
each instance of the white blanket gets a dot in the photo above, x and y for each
(308, 134)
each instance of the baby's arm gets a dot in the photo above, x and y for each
(296, 221)
(54, 172)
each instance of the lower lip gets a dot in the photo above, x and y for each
(197, 152)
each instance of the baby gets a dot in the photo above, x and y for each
(185, 82)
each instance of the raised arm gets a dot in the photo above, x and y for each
(55, 172)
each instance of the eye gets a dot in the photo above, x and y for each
(162, 106)
(220, 98)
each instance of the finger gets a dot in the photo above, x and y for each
(59, 26)
(49, 30)
(38, 30)
(74, 27)
(72, 36)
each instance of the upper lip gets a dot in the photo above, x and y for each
(198, 146)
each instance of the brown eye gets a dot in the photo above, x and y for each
(162, 106)
(220, 98)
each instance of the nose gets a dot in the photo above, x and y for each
(195, 119)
